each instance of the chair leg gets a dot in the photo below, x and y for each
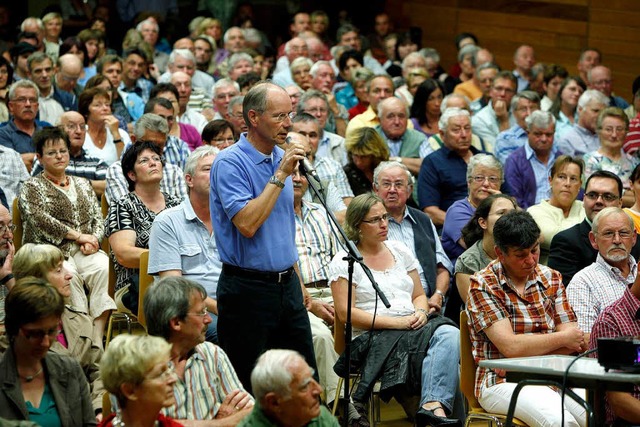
(336, 401)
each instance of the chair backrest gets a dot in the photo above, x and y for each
(145, 281)
(17, 221)
(106, 405)
(467, 363)
(104, 205)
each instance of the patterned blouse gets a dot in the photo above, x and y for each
(594, 161)
(130, 213)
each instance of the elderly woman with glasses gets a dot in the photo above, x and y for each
(74, 339)
(138, 371)
(62, 210)
(44, 387)
(484, 178)
(408, 326)
(129, 219)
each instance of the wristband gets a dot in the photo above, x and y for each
(115, 141)
(422, 310)
(439, 292)
(6, 278)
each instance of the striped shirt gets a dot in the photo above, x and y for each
(632, 140)
(208, 378)
(315, 242)
(619, 319)
(172, 182)
(596, 287)
(13, 173)
(330, 170)
(91, 168)
(175, 151)
(492, 297)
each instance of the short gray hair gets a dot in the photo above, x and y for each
(299, 62)
(524, 94)
(234, 101)
(445, 100)
(152, 122)
(540, 119)
(256, 99)
(147, 21)
(317, 65)
(22, 84)
(592, 95)
(412, 56)
(430, 53)
(469, 49)
(239, 56)
(196, 155)
(486, 66)
(310, 94)
(169, 298)
(486, 160)
(382, 106)
(272, 373)
(383, 166)
(183, 53)
(128, 358)
(606, 212)
(224, 82)
(226, 36)
(450, 113)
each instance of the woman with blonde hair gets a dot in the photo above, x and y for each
(365, 150)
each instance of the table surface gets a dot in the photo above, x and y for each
(556, 365)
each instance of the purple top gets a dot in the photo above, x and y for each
(190, 135)
(458, 215)
(416, 126)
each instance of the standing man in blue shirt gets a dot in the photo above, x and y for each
(260, 300)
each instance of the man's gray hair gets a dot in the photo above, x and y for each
(410, 57)
(226, 36)
(147, 21)
(272, 373)
(469, 49)
(34, 20)
(606, 212)
(317, 65)
(524, 94)
(235, 101)
(445, 100)
(287, 48)
(239, 56)
(197, 154)
(310, 94)
(383, 166)
(430, 53)
(183, 53)
(224, 82)
(38, 58)
(386, 103)
(299, 62)
(22, 84)
(486, 66)
(152, 122)
(168, 298)
(593, 95)
(450, 113)
(486, 160)
(256, 99)
(540, 119)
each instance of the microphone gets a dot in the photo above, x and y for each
(306, 168)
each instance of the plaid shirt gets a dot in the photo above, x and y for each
(492, 297)
(619, 319)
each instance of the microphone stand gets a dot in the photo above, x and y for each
(353, 256)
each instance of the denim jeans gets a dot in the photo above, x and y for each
(440, 374)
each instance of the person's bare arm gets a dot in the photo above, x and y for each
(624, 406)
(442, 284)
(98, 186)
(123, 245)
(251, 217)
(462, 283)
(27, 159)
(436, 214)
(522, 345)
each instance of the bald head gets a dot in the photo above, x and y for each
(184, 43)
(182, 82)
(69, 70)
(73, 124)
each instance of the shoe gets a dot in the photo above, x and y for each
(363, 420)
(426, 417)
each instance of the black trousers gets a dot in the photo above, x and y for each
(255, 315)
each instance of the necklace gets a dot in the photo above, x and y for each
(29, 378)
(56, 182)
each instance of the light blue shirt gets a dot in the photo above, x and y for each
(509, 141)
(563, 125)
(541, 172)
(578, 141)
(403, 232)
(485, 124)
(240, 174)
(179, 240)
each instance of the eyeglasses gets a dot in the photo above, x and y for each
(279, 118)
(377, 219)
(4, 228)
(222, 96)
(220, 141)
(70, 127)
(607, 197)
(480, 179)
(146, 160)
(609, 235)
(203, 313)
(399, 185)
(23, 100)
(503, 89)
(37, 335)
(316, 110)
(54, 153)
(166, 374)
(619, 129)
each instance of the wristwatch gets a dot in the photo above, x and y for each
(438, 291)
(276, 181)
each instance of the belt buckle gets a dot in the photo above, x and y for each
(281, 275)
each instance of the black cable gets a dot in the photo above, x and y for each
(566, 375)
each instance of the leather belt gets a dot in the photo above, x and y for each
(265, 276)
(318, 284)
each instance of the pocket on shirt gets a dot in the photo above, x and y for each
(192, 258)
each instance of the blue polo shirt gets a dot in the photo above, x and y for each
(14, 138)
(443, 178)
(239, 174)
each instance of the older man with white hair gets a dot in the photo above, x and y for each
(582, 138)
(184, 60)
(286, 393)
(223, 91)
(295, 48)
(407, 146)
(150, 31)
